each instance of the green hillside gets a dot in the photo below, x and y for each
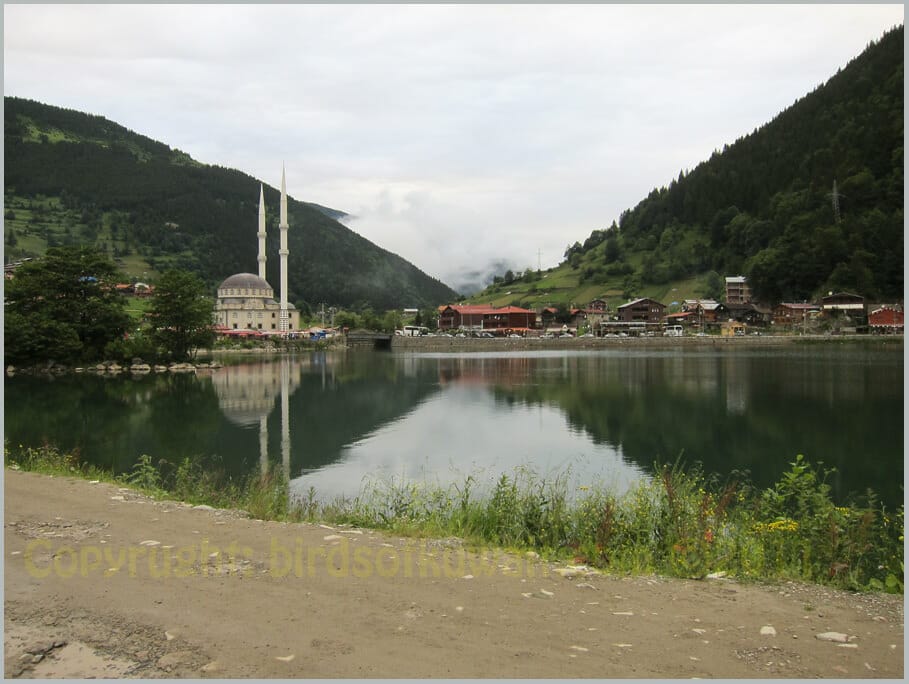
(75, 178)
(763, 207)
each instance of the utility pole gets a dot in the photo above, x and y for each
(539, 259)
(836, 203)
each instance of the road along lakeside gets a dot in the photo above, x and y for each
(103, 581)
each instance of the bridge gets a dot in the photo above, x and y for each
(363, 339)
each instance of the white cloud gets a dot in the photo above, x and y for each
(457, 134)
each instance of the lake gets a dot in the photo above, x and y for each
(335, 421)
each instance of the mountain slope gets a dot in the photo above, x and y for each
(764, 206)
(77, 178)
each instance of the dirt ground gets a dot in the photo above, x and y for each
(102, 582)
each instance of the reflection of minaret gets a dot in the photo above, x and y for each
(285, 417)
(263, 445)
(261, 233)
(247, 393)
(283, 252)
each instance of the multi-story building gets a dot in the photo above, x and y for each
(737, 290)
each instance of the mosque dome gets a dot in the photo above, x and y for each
(248, 281)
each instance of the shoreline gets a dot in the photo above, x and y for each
(468, 344)
(435, 344)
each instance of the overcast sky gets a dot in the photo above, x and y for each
(457, 135)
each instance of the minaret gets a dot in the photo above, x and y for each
(261, 233)
(283, 252)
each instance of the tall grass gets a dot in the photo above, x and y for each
(678, 522)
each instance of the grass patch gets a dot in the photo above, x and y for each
(678, 523)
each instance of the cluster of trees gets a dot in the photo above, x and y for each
(766, 207)
(528, 276)
(65, 308)
(175, 212)
(389, 321)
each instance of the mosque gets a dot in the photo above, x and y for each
(246, 301)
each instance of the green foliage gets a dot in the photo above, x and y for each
(63, 307)
(145, 474)
(714, 287)
(678, 523)
(181, 314)
(137, 345)
(767, 197)
(393, 320)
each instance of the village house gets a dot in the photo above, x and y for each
(643, 310)
(9, 270)
(791, 314)
(688, 319)
(886, 319)
(846, 302)
(597, 306)
(704, 312)
(486, 317)
(848, 305)
(596, 313)
(749, 314)
(547, 317)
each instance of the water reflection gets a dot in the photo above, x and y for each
(334, 421)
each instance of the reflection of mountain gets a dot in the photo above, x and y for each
(730, 411)
(349, 400)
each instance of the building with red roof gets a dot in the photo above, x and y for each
(886, 319)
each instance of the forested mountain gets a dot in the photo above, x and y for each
(74, 178)
(764, 205)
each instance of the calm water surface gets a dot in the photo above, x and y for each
(337, 421)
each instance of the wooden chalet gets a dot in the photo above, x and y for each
(485, 317)
(843, 301)
(643, 310)
(792, 314)
(750, 314)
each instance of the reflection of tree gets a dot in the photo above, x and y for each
(113, 421)
(87, 413)
(653, 409)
